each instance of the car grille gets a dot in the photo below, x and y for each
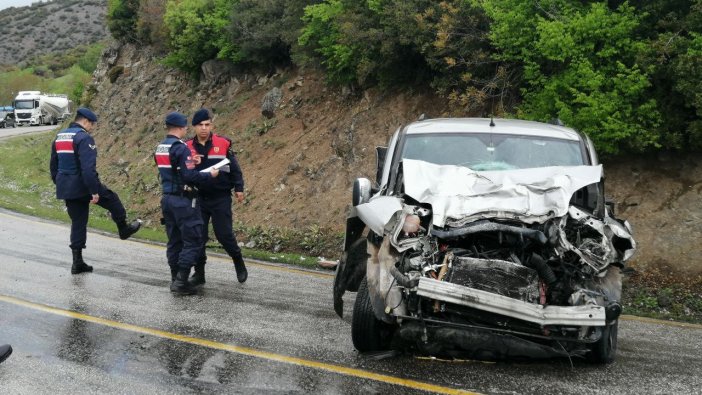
(24, 116)
(496, 276)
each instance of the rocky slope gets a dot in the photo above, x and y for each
(300, 166)
(55, 26)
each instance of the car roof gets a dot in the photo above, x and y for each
(502, 126)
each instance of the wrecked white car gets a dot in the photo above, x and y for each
(490, 238)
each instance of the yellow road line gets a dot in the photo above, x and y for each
(364, 374)
(677, 324)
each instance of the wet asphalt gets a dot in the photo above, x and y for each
(120, 330)
(24, 130)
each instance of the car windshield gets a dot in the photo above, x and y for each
(482, 152)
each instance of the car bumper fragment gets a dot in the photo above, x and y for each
(586, 315)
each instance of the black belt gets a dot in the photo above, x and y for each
(186, 194)
(182, 194)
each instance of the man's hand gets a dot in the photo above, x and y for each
(197, 159)
(239, 196)
(214, 172)
(95, 198)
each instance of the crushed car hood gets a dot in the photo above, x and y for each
(457, 193)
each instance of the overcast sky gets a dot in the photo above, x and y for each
(17, 3)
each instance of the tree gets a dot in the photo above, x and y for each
(122, 19)
(197, 31)
(580, 64)
(264, 31)
(360, 42)
(674, 28)
(150, 27)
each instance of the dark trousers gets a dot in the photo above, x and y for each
(184, 230)
(219, 209)
(79, 210)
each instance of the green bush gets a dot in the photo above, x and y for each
(114, 73)
(197, 32)
(362, 43)
(322, 33)
(150, 26)
(452, 39)
(263, 33)
(579, 64)
(122, 18)
(89, 60)
(77, 93)
(678, 57)
(312, 240)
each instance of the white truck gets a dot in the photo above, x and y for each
(37, 108)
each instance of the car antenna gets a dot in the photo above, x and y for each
(422, 117)
(492, 122)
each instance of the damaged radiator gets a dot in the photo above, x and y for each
(496, 276)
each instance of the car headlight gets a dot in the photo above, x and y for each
(411, 224)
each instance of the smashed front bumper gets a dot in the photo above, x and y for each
(585, 315)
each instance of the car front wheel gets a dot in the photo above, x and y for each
(605, 350)
(367, 332)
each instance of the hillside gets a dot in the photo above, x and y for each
(44, 28)
(300, 166)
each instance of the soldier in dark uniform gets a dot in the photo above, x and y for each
(180, 205)
(72, 166)
(216, 198)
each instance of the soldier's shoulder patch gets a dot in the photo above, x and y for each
(92, 146)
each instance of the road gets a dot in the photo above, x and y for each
(10, 132)
(120, 330)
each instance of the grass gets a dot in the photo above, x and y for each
(678, 302)
(26, 187)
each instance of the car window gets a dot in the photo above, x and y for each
(482, 152)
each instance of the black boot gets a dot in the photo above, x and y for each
(173, 274)
(125, 230)
(241, 273)
(78, 265)
(181, 285)
(198, 278)
(5, 351)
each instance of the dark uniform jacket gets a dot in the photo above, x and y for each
(72, 165)
(214, 150)
(177, 168)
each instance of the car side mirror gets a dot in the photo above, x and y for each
(361, 191)
(380, 154)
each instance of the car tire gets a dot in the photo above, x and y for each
(367, 332)
(604, 350)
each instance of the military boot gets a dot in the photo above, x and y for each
(125, 230)
(241, 273)
(181, 285)
(198, 277)
(79, 266)
(5, 351)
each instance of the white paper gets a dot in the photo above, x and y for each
(217, 166)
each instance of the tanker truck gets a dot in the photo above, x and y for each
(37, 108)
